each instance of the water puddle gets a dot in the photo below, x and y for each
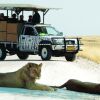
(60, 94)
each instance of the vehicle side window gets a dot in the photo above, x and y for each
(29, 31)
(41, 30)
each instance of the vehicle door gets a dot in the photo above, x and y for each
(28, 41)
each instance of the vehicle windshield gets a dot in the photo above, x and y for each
(47, 30)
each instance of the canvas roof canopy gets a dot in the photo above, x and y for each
(26, 7)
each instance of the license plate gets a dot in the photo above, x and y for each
(70, 48)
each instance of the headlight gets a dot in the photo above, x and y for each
(70, 42)
(58, 41)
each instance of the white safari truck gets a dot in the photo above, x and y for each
(25, 39)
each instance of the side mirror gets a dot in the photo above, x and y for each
(60, 33)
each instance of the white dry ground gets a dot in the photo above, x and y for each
(56, 71)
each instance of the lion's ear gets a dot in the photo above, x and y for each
(40, 65)
(29, 65)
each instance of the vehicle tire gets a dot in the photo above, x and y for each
(22, 56)
(45, 53)
(70, 57)
(2, 53)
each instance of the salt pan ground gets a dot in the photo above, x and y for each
(54, 72)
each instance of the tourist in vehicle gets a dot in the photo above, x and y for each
(1, 16)
(36, 17)
(30, 19)
(14, 19)
(21, 20)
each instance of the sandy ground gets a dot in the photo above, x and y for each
(57, 71)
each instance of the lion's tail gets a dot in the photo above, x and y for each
(61, 86)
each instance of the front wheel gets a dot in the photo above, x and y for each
(70, 57)
(22, 56)
(45, 53)
(2, 53)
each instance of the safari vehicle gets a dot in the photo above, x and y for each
(25, 39)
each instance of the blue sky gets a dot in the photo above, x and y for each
(77, 17)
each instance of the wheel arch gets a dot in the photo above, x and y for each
(44, 43)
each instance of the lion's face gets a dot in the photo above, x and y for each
(33, 70)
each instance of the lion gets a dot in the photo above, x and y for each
(79, 86)
(24, 78)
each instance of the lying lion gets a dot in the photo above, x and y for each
(24, 78)
(27, 75)
(76, 85)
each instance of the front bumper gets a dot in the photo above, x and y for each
(62, 49)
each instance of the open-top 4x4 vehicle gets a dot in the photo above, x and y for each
(25, 39)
